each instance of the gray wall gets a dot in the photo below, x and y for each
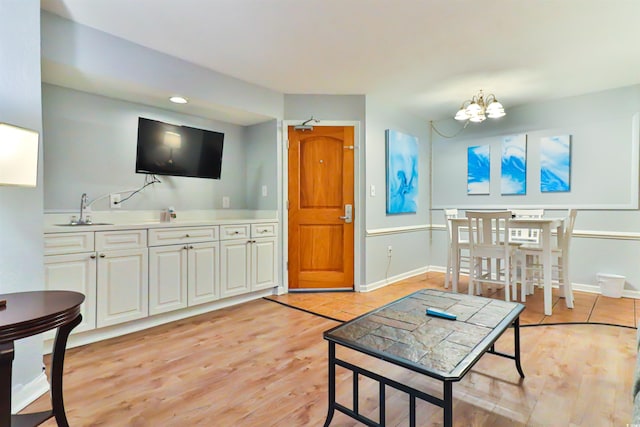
(604, 153)
(604, 176)
(21, 243)
(90, 147)
(97, 60)
(261, 165)
(410, 248)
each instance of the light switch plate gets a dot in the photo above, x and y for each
(372, 190)
(225, 202)
(264, 191)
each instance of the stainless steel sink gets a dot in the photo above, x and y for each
(84, 225)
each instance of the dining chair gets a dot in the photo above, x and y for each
(491, 256)
(463, 245)
(532, 268)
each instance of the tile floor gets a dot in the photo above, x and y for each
(588, 308)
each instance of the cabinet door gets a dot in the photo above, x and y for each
(74, 272)
(264, 265)
(123, 286)
(204, 273)
(167, 278)
(234, 268)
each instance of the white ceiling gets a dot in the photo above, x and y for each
(426, 56)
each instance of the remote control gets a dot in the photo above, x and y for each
(440, 313)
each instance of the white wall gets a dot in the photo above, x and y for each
(21, 242)
(90, 147)
(603, 183)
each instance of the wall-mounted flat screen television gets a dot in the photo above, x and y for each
(166, 149)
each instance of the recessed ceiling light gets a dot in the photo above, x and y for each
(178, 100)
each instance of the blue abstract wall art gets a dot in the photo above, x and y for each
(514, 165)
(555, 164)
(478, 169)
(402, 172)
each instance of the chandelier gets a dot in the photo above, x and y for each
(478, 108)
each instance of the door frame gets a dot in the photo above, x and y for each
(358, 227)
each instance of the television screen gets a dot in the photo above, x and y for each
(166, 149)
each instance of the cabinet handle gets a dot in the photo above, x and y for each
(185, 247)
(102, 255)
(191, 247)
(186, 235)
(92, 256)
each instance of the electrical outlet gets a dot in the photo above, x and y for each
(264, 191)
(225, 202)
(389, 251)
(114, 201)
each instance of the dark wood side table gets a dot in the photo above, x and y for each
(27, 314)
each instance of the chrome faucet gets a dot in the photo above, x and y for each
(83, 207)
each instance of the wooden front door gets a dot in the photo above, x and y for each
(321, 187)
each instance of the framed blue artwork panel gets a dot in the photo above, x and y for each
(555, 164)
(478, 169)
(513, 174)
(402, 172)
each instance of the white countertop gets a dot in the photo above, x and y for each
(135, 220)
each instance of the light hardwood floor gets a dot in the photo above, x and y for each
(265, 364)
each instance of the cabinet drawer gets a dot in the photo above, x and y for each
(264, 230)
(122, 239)
(177, 235)
(229, 232)
(68, 243)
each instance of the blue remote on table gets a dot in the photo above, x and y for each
(440, 313)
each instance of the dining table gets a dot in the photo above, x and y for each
(545, 225)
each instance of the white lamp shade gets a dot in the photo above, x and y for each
(18, 156)
(461, 115)
(477, 118)
(473, 109)
(495, 110)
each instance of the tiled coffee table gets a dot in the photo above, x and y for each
(401, 333)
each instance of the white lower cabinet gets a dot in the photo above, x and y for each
(123, 286)
(167, 278)
(131, 274)
(74, 272)
(204, 273)
(248, 263)
(264, 263)
(182, 276)
(235, 266)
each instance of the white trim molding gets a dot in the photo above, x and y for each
(23, 395)
(390, 280)
(397, 230)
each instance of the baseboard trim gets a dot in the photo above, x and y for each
(23, 395)
(582, 287)
(393, 279)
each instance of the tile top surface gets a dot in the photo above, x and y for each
(429, 344)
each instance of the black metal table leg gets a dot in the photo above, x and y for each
(6, 362)
(57, 368)
(516, 342)
(332, 383)
(448, 404)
